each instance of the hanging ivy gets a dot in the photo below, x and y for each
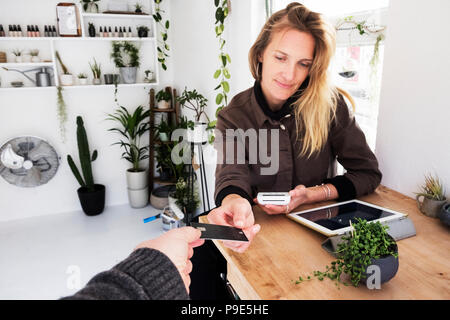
(62, 112)
(222, 73)
(163, 47)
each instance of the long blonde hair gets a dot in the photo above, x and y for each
(316, 107)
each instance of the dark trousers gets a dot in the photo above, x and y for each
(206, 282)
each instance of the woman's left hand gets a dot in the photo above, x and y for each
(298, 196)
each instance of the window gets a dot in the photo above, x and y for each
(354, 68)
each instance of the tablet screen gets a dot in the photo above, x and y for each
(339, 216)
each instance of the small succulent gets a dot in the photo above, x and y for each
(432, 188)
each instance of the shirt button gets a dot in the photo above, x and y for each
(282, 127)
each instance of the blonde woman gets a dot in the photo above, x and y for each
(292, 94)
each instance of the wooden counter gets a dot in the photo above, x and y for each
(284, 250)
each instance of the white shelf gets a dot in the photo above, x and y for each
(77, 38)
(118, 16)
(26, 64)
(83, 86)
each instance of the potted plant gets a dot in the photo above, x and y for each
(82, 79)
(445, 214)
(66, 77)
(18, 55)
(91, 195)
(90, 6)
(367, 245)
(196, 102)
(142, 31)
(165, 165)
(433, 196)
(163, 99)
(35, 55)
(91, 30)
(132, 128)
(138, 8)
(163, 130)
(126, 57)
(96, 72)
(186, 199)
(148, 76)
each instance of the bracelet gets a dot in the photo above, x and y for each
(327, 191)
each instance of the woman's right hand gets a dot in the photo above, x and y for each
(236, 211)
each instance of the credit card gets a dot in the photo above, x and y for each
(218, 232)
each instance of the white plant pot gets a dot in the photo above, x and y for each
(66, 79)
(26, 58)
(82, 81)
(198, 134)
(137, 180)
(35, 59)
(96, 81)
(18, 59)
(138, 198)
(163, 104)
(163, 136)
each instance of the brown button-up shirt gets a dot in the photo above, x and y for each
(346, 143)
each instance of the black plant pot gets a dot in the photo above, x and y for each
(445, 214)
(142, 33)
(92, 202)
(388, 267)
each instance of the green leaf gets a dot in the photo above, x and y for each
(225, 86)
(226, 73)
(224, 60)
(217, 73)
(216, 3)
(219, 98)
(228, 58)
(167, 24)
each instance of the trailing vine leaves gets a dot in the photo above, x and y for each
(62, 112)
(163, 47)
(127, 50)
(223, 74)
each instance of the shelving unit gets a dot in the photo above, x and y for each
(148, 50)
(173, 114)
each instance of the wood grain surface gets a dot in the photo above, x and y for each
(284, 250)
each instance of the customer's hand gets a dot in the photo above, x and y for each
(236, 211)
(177, 245)
(298, 196)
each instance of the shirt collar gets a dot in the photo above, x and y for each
(264, 113)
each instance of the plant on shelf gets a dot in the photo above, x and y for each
(35, 55)
(138, 8)
(18, 55)
(224, 87)
(163, 47)
(148, 76)
(433, 195)
(142, 31)
(167, 169)
(62, 112)
(132, 127)
(66, 77)
(91, 195)
(91, 30)
(163, 130)
(163, 99)
(82, 78)
(192, 100)
(96, 72)
(90, 5)
(367, 244)
(126, 57)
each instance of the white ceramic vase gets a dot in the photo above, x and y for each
(82, 81)
(163, 104)
(138, 198)
(66, 79)
(137, 180)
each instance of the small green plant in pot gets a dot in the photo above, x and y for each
(366, 255)
(186, 198)
(126, 57)
(132, 127)
(96, 69)
(91, 195)
(163, 99)
(433, 196)
(163, 130)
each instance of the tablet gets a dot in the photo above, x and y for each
(335, 219)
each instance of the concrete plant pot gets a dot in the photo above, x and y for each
(128, 74)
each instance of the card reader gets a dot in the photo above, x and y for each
(276, 198)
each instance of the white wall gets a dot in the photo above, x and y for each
(413, 126)
(33, 112)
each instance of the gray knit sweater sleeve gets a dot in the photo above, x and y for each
(147, 274)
